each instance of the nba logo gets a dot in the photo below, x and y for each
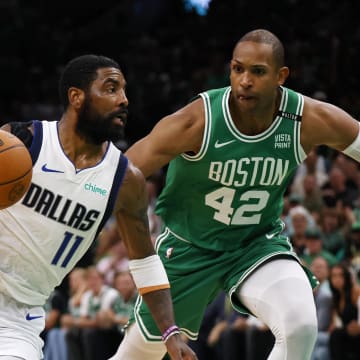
(169, 252)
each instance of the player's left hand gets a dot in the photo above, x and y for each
(179, 350)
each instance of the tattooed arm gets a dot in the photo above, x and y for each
(148, 273)
(131, 214)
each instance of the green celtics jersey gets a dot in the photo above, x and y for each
(232, 190)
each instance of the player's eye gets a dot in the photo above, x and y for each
(237, 68)
(259, 71)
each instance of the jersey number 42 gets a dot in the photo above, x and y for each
(248, 213)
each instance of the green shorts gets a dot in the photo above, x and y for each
(197, 275)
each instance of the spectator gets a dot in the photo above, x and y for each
(332, 226)
(114, 261)
(335, 191)
(350, 168)
(312, 199)
(98, 297)
(299, 222)
(314, 164)
(55, 345)
(290, 201)
(352, 249)
(345, 328)
(323, 303)
(110, 322)
(314, 247)
(55, 306)
(213, 324)
(124, 304)
(259, 339)
(233, 340)
(108, 237)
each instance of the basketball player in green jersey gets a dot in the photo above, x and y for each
(232, 154)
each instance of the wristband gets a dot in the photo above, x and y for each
(149, 274)
(172, 330)
(353, 150)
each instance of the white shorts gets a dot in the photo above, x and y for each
(20, 328)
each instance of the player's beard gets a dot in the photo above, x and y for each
(96, 128)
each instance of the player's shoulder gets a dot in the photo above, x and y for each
(133, 173)
(132, 188)
(315, 113)
(23, 130)
(185, 119)
(318, 109)
(215, 91)
(324, 123)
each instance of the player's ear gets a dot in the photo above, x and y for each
(282, 75)
(76, 97)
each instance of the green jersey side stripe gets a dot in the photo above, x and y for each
(207, 130)
(299, 152)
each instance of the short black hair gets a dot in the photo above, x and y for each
(263, 36)
(80, 72)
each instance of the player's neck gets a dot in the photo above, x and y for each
(255, 120)
(252, 123)
(81, 153)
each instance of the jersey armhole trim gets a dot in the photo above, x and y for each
(37, 141)
(300, 154)
(118, 179)
(207, 130)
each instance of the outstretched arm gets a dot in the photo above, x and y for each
(175, 134)
(146, 267)
(327, 124)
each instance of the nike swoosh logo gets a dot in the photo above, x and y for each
(220, 144)
(46, 169)
(270, 236)
(30, 317)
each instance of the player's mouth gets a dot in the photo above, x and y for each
(245, 97)
(120, 118)
(118, 121)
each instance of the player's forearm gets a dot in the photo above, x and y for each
(160, 305)
(153, 285)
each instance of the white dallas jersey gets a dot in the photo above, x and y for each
(46, 233)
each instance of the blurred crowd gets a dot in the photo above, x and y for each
(168, 55)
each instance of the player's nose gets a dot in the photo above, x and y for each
(122, 98)
(246, 79)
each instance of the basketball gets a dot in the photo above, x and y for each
(15, 169)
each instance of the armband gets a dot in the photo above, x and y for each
(353, 150)
(149, 274)
(172, 330)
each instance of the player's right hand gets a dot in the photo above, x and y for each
(178, 349)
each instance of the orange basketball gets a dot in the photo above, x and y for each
(15, 169)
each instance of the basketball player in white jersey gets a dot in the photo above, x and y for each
(79, 179)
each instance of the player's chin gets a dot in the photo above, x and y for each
(247, 103)
(117, 134)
